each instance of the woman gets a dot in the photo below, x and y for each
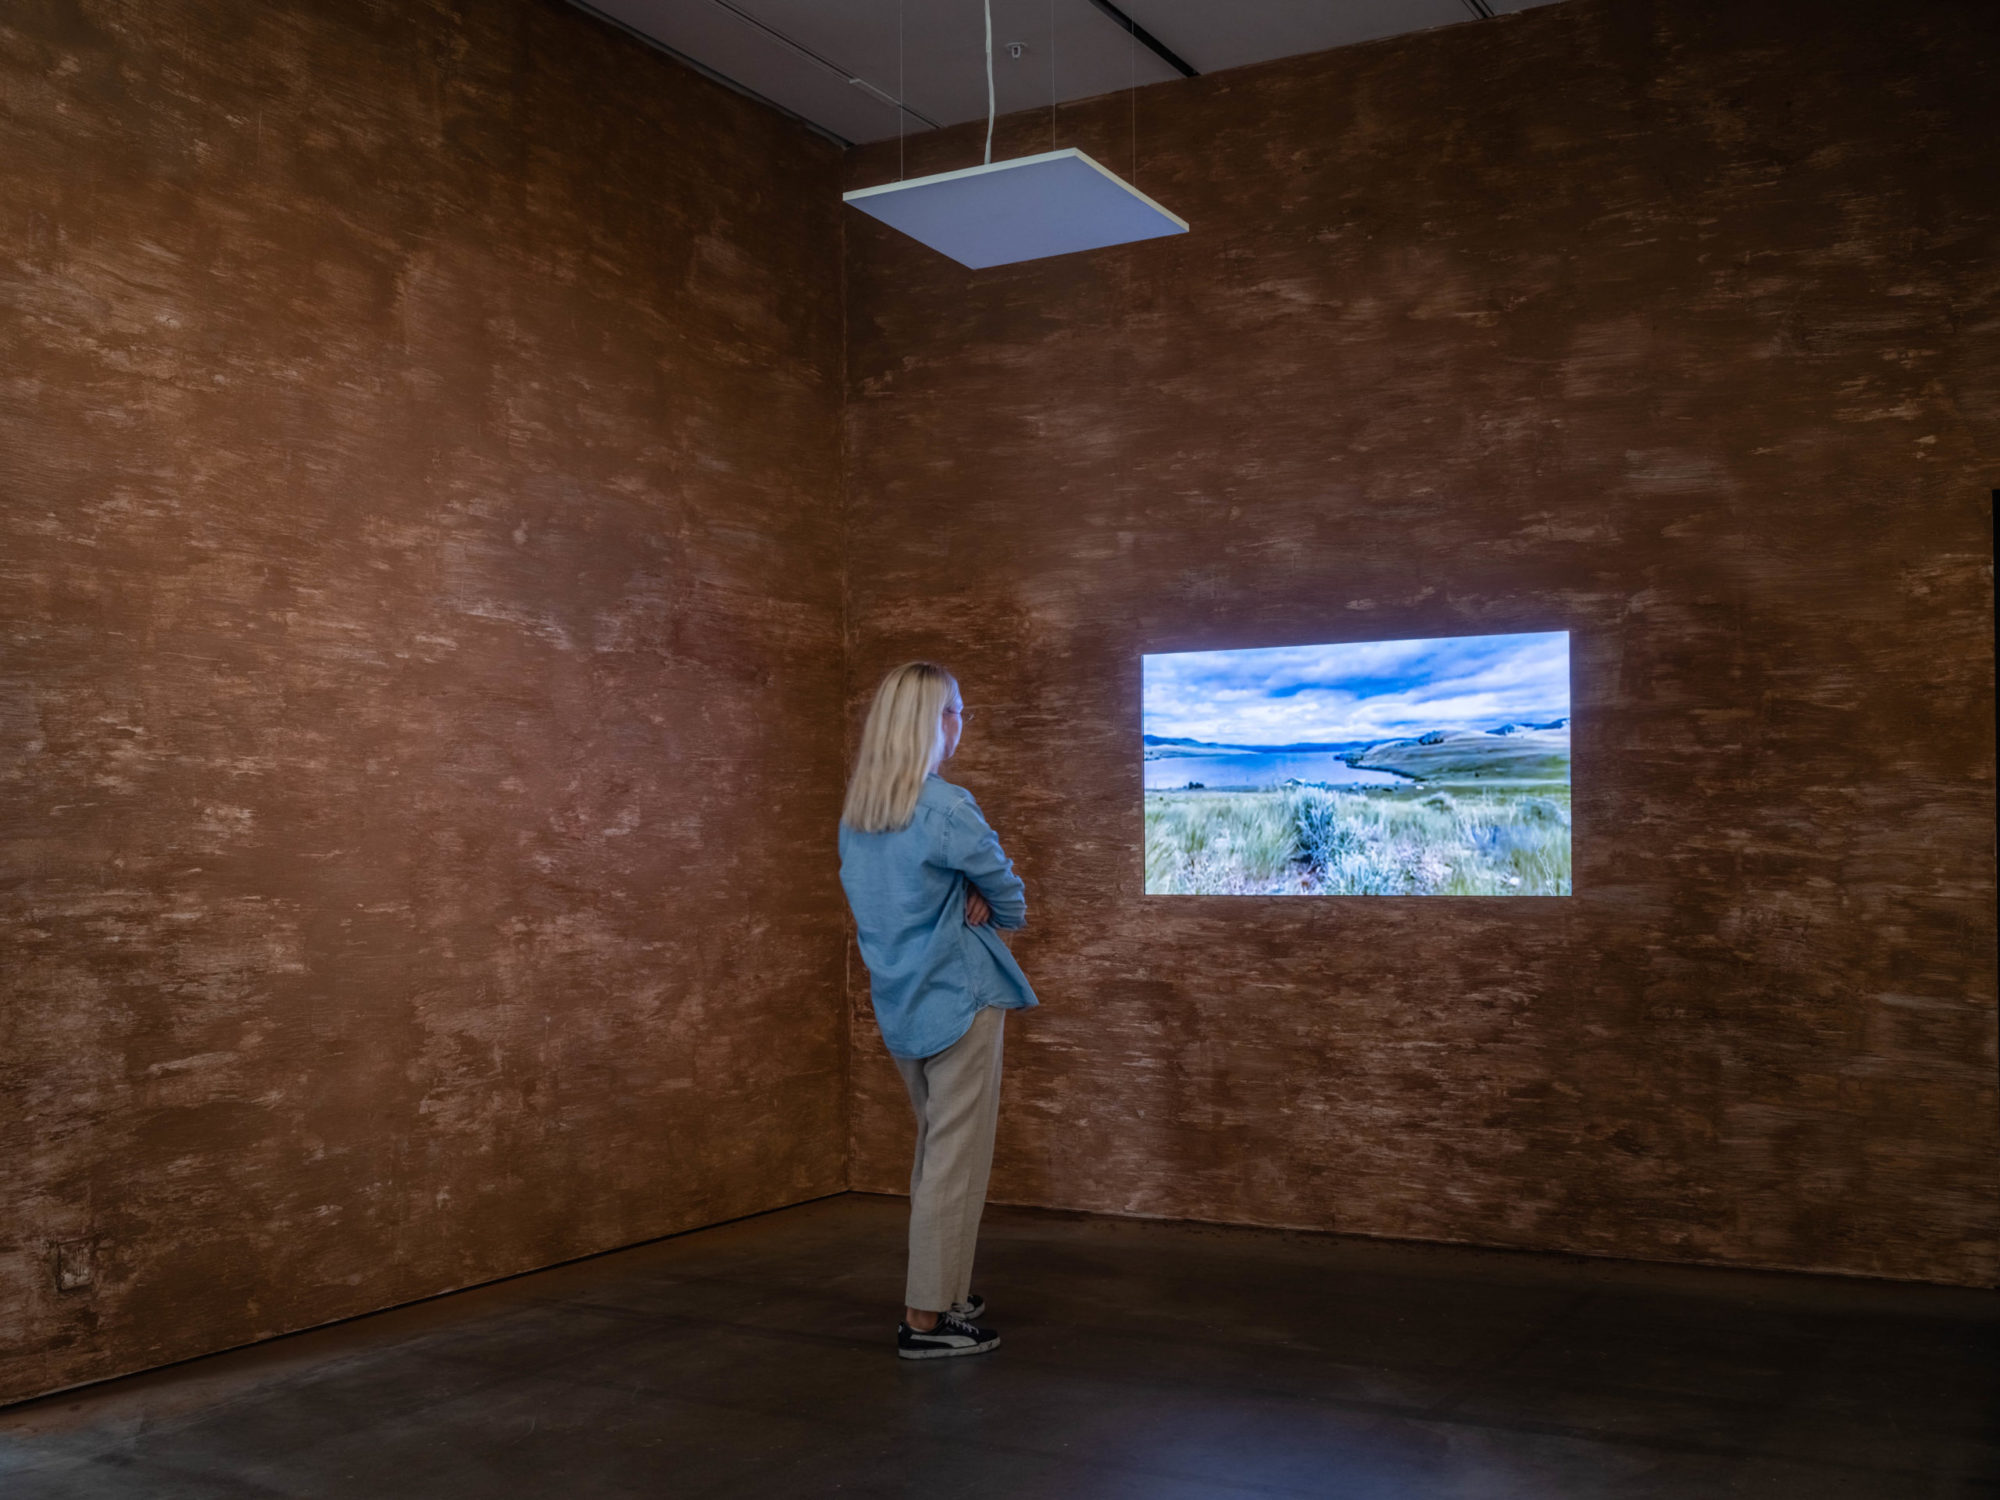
(929, 884)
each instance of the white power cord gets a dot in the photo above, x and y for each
(989, 82)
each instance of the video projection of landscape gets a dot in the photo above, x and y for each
(1377, 768)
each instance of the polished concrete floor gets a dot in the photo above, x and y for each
(1144, 1360)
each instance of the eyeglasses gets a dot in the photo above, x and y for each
(963, 715)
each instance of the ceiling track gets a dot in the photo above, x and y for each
(844, 74)
(1153, 44)
(698, 66)
(1118, 17)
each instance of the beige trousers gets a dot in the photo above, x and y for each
(956, 1095)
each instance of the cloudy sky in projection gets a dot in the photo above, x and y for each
(1373, 690)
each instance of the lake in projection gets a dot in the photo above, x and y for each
(1370, 768)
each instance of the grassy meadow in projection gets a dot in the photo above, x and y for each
(1383, 768)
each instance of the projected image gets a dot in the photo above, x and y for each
(1381, 768)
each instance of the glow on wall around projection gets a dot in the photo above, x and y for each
(1369, 768)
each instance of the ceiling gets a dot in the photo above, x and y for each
(841, 65)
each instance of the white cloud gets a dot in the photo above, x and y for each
(1360, 691)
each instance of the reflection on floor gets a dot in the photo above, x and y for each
(1141, 1360)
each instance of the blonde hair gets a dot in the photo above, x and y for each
(901, 744)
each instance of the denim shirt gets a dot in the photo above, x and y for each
(929, 972)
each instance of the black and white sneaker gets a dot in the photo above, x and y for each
(972, 1309)
(952, 1336)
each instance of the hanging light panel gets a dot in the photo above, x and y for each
(1024, 209)
(1033, 206)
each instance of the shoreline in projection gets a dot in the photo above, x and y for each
(1471, 797)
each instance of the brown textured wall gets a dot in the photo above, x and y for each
(1672, 325)
(418, 479)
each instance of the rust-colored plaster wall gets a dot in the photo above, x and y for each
(1671, 325)
(419, 505)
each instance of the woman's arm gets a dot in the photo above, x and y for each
(974, 848)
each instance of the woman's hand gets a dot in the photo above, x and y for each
(977, 912)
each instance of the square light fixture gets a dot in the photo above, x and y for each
(1005, 211)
